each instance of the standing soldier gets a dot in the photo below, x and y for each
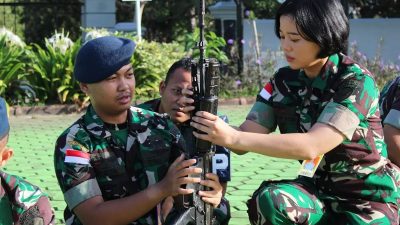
(117, 163)
(326, 107)
(20, 202)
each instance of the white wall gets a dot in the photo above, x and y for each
(98, 13)
(366, 32)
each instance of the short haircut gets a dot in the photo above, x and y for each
(184, 63)
(323, 22)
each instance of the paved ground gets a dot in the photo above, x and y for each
(33, 137)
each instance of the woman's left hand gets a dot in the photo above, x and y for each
(215, 129)
(215, 194)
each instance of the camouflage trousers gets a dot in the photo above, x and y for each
(298, 202)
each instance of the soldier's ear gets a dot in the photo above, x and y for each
(84, 87)
(161, 88)
(5, 155)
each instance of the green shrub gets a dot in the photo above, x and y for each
(52, 70)
(214, 45)
(151, 62)
(13, 69)
(11, 63)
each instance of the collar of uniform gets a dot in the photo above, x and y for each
(153, 105)
(95, 125)
(329, 69)
(116, 127)
(6, 185)
(4, 189)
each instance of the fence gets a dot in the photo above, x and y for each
(34, 20)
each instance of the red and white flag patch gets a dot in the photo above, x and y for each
(266, 92)
(78, 157)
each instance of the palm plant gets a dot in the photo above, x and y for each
(52, 70)
(11, 65)
(13, 69)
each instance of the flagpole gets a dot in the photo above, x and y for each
(138, 17)
(138, 20)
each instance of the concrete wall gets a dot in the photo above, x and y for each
(98, 13)
(365, 32)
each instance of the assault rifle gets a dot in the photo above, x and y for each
(205, 82)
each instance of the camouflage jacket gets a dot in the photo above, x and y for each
(89, 161)
(221, 160)
(23, 203)
(389, 103)
(344, 96)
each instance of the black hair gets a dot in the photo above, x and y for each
(323, 22)
(184, 63)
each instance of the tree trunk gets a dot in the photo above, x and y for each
(239, 31)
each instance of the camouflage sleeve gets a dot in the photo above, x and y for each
(355, 101)
(178, 143)
(393, 117)
(74, 172)
(29, 204)
(262, 111)
(221, 164)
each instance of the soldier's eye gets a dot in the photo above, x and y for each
(177, 91)
(111, 77)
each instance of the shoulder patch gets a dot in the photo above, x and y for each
(266, 92)
(78, 157)
(77, 146)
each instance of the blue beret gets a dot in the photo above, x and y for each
(4, 125)
(101, 57)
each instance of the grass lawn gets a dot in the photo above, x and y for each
(33, 138)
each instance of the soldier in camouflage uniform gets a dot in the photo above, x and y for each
(117, 163)
(389, 103)
(20, 202)
(325, 105)
(173, 101)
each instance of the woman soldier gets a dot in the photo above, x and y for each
(326, 108)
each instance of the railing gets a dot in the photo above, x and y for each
(23, 16)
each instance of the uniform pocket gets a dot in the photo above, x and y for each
(110, 174)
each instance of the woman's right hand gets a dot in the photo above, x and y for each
(215, 129)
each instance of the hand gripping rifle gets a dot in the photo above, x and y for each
(205, 82)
